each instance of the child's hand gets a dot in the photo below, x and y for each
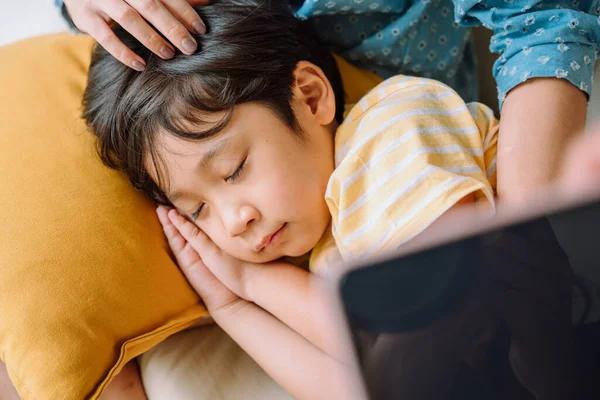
(194, 246)
(214, 293)
(172, 18)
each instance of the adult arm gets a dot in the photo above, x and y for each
(537, 145)
(544, 75)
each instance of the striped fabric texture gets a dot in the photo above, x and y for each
(409, 151)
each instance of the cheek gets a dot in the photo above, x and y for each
(214, 232)
(294, 186)
(232, 246)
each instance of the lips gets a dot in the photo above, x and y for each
(265, 241)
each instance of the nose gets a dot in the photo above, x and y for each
(237, 219)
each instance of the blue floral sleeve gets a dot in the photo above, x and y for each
(538, 38)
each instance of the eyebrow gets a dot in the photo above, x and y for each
(205, 161)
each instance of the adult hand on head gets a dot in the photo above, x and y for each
(174, 19)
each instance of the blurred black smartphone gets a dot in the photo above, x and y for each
(507, 312)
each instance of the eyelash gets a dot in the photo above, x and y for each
(230, 178)
(197, 213)
(237, 173)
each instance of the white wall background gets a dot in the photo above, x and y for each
(25, 18)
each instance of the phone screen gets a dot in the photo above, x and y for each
(506, 314)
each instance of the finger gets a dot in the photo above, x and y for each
(160, 17)
(132, 22)
(185, 13)
(99, 29)
(176, 241)
(184, 252)
(191, 233)
(202, 280)
(213, 292)
(212, 256)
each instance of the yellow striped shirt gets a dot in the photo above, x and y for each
(406, 153)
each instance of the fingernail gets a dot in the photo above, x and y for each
(189, 45)
(138, 66)
(199, 27)
(167, 52)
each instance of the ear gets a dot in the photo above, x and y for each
(313, 91)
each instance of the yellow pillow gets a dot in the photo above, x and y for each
(357, 82)
(86, 280)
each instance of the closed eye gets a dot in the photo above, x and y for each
(197, 212)
(230, 178)
(237, 173)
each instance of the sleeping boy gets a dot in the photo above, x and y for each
(265, 168)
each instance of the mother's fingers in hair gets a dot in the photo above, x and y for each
(183, 11)
(129, 18)
(163, 21)
(99, 30)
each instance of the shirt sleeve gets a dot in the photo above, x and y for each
(407, 152)
(538, 38)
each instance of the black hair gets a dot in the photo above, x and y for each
(248, 54)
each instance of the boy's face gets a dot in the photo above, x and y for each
(256, 189)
